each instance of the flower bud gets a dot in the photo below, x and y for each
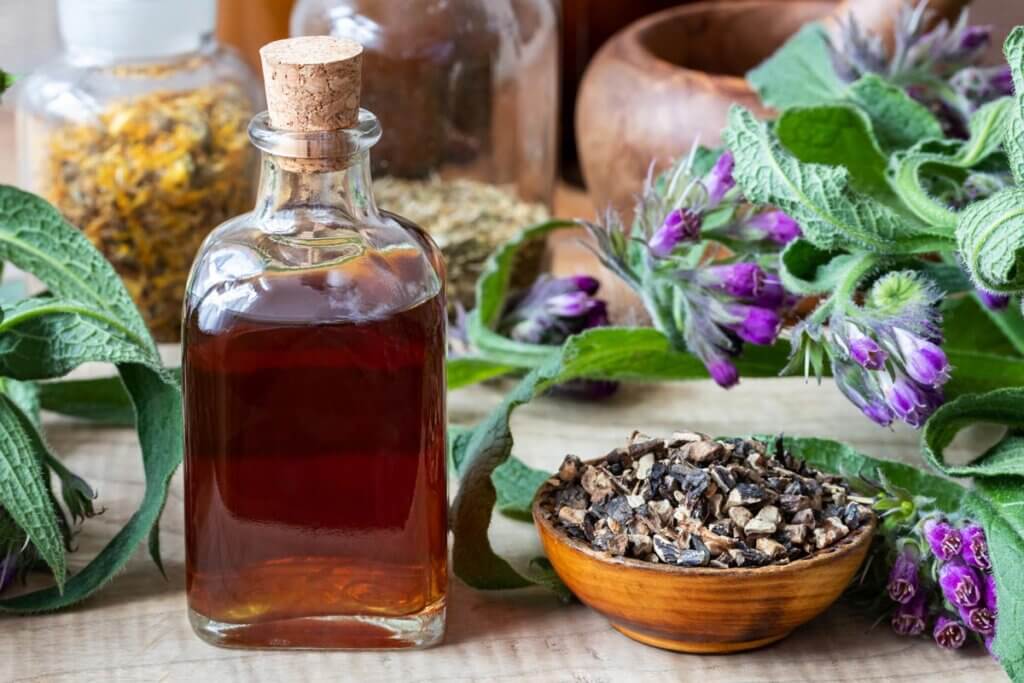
(992, 300)
(904, 580)
(774, 225)
(945, 541)
(742, 280)
(910, 618)
(960, 584)
(772, 294)
(925, 362)
(865, 351)
(569, 305)
(719, 181)
(585, 283)
(723, 372)
(755, 325)
(974, 550)
(949, 633)
(682, 225)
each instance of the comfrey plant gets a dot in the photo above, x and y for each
(672, 257)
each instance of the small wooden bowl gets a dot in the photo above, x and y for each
(702, 610)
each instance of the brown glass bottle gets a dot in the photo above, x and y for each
(313, 374)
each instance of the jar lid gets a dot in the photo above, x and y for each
(136, 29)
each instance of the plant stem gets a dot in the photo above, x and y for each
(842, 297)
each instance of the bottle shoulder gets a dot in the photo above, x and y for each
(296, 269)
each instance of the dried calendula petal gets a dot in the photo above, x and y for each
(692, 501)
(147, 179)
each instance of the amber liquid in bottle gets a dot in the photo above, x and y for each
(316, 468)
(314, 389)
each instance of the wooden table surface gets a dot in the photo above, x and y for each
(136, 628)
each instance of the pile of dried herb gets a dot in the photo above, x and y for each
(469, 220)
(148, 179)
(693, 501)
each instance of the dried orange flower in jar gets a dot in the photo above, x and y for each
(137, 132)
(149, 180)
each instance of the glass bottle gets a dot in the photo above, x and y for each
(467, 91)
(313, 377)
(137, 133)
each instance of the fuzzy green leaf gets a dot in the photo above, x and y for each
(35, 238)
(1014, 50)
(808, 270)
(799, 74)
(6, 81)
(24, 491)
(898, 121)
(836, 135)
(990, 237)
(997, 501)
(968, 325)
(463, 372)
(103, 400)
(832, 214)
(516, 483)
(986, 128)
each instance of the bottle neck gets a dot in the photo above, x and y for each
(288, 190)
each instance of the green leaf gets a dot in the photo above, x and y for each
(990, 237)
(1010, 323)
(997, 501)
(836, 135)
(979, 371)
(1014, 49)
(24, 491)
(833, 216)
(103, 400)
(839, 458)
(1003, 407)
(25, 395)
(463, 372)
(516, 483)
(799, 74)
(35, 238)
(808, 270)
(986, 128)
(6, 81)
(968, 326)
(898, 121)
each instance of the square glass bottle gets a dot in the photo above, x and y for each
(313, 376)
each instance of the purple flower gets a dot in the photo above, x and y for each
(772, 293)
(975, 38)
(974, 550)
(585, 283)
(743, 280)
(910, 618)
(682, 225)
(719, 181)
(774, 225)
(865, 350)
(906, 400)
(723, 372)
(754, 324)
(949, 634)
(979, 619)
(993, 300)
(925, 362)
(904, 580)
(944, 540)
(569, 305)
(1001, 80)
(862, 390)
(960, 584)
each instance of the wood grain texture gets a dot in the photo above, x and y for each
(137, 629)
(701, 610)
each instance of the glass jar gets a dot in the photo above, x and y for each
(137, 133)
(467, 94)
(314, 392)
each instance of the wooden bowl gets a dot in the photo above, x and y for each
(668, 80)
(702, 610)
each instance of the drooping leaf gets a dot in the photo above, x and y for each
(25, 395)
(836, 135)
(898, 121)
(1014, 50)
(990, 237)
(908, 170)
(799, 74)
(463, 372)
(24, 488)
(1002, 407)
(516, 483)
(103, 400)
(832, 214)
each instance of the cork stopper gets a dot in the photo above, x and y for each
(313, 83)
